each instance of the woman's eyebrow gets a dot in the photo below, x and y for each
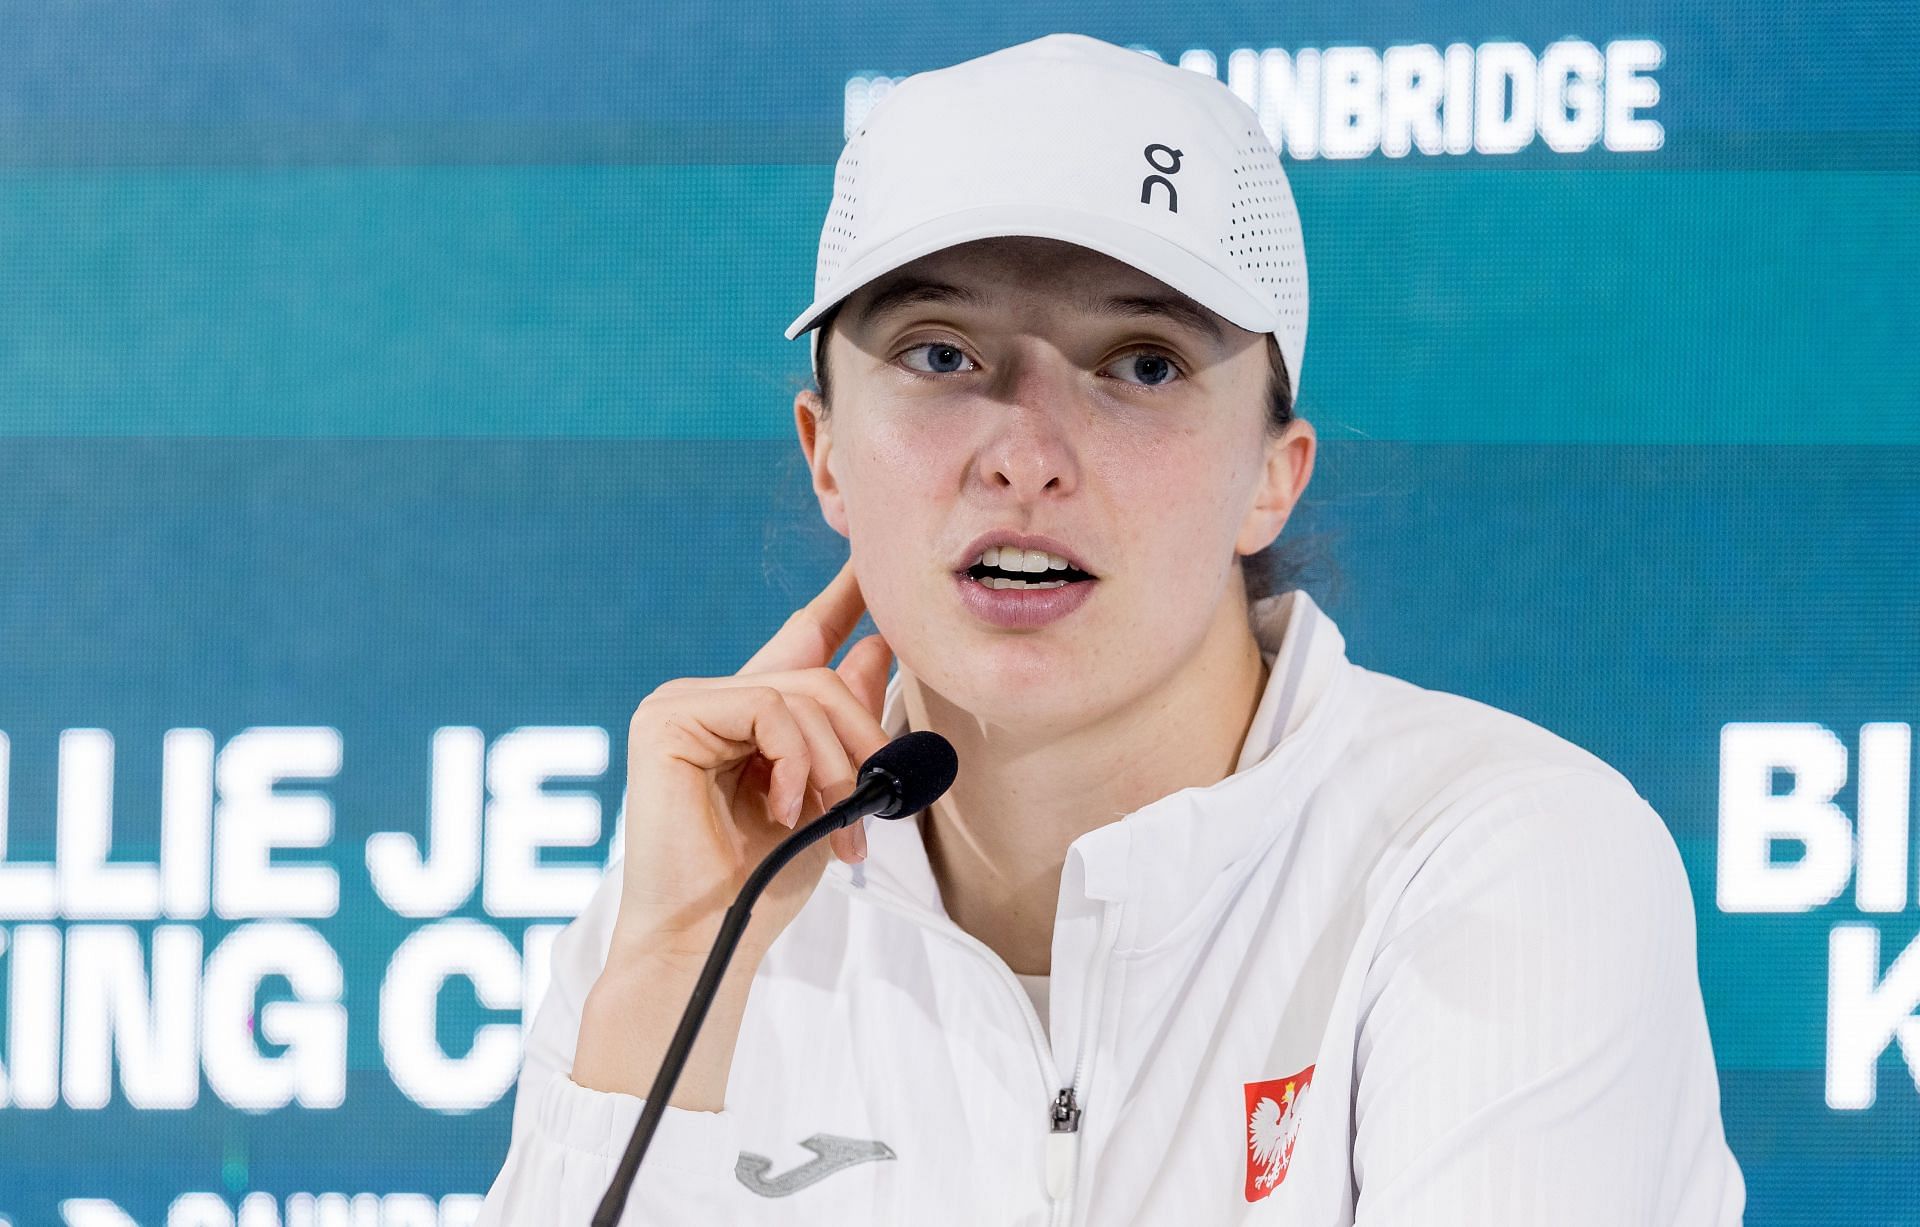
(909, 291)
(1180, 311)
(906, 291)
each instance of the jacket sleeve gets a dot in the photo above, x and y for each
(568, 1139)
(1533, 1046)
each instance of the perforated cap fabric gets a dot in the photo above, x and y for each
(1067, 137)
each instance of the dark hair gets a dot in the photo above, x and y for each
(1276, 569)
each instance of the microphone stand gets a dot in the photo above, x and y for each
(877, 790)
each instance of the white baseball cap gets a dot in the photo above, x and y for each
(1067, 137)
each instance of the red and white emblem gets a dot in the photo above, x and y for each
(1273, 1122)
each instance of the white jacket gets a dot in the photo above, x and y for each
(1416, 962)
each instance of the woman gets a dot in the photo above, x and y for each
(1215, 926)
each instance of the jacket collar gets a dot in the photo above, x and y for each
(1163, 856)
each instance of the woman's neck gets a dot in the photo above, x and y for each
(997, 841)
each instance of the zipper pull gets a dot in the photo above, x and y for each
(1065, 1116)
(1063, 1120)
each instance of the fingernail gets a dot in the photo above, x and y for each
(860, 840)
(793, 811)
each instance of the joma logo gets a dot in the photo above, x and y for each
(831, 1154)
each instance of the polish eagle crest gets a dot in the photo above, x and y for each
(1274, 1112)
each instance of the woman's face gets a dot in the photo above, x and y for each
(1036, 387)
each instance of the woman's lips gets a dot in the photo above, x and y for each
(1022, 608)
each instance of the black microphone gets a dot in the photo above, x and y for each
(902, 777)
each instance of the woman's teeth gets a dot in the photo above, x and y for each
(1007, 566)
(1010, 558)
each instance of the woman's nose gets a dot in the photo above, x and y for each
(1032, 451)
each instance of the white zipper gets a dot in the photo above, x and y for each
(1063, 1105)
(1063, 1137)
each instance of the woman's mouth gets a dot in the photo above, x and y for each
(1007, 567)
(1022, 589)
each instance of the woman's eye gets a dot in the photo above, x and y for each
(937, 358)
(1145, 368)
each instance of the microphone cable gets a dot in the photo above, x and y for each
(902, 777)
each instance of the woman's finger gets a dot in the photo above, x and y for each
(853, 720)
(710, 729)
(833, 775)
(815, 631)
(864, 669)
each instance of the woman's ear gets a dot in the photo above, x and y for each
(1288, 468)
(816, 440)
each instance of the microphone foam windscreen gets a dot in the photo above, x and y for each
(923, 762)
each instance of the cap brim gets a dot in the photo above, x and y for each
(1144, 249)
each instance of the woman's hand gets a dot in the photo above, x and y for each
(720, 770)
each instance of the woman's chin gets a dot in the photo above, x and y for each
(1010, 686)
